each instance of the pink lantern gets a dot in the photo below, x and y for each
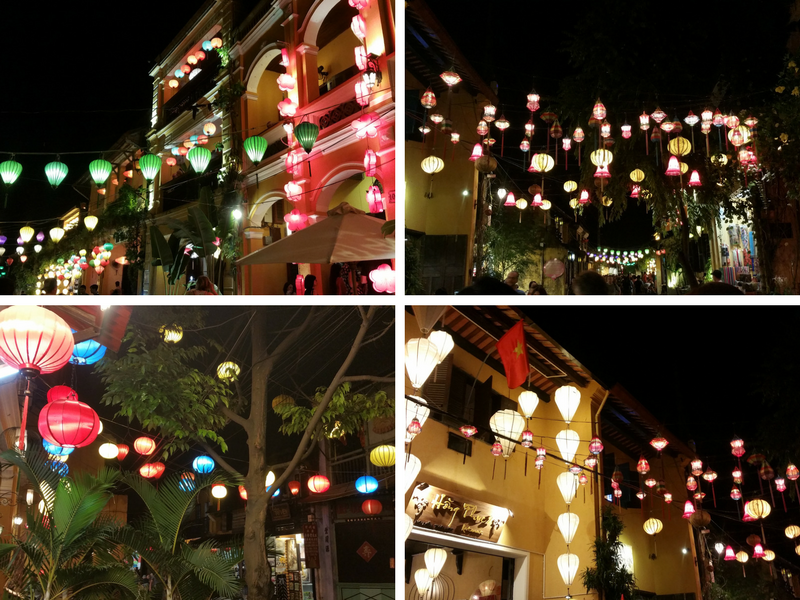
(694, 179)
(578, 136)
(284, 57)
(286, 82)
(295, 220)
(688, 509)
(359, 27)
(736, 494)
(383, 279)
(719, 119)
(525, 145)
(691, 119)
(644, 121)
(537, 200)
(584, 197)
(455, 138)
(361, 58)
(370, 163)
(477, 152)
(758, 551)
(674, 167)
(737, 447)
(366, 126)
(293, 162)
(599, 111)
(511, 200)
(626, 131)
(533, 102)
(287, 107)
(69, 424)
(362, 93)
(602, 172)
(635, 191)
(359, 4)
(482, 128)
(374, 199)
(566, 144)
(658, 115)
(294, 191)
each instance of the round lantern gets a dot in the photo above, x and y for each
(61, 392)
(152, 470)
(172, 333)
(742, 556)
(218, 490)
(366, 484)
(56, 450)
(108, 451)
(144, 445)
(34, 340)
(69, 423)
(122, 451)
(570, 186)
(653, 526)
(700, 519)
(203, 464)
(432, 164)
(228, 370)
(383, 456)
(792, 532)
(601, 157)
(371, 507)
(679, 146)
(319, 484)
(87, 352)
(758, 509)
(542, 163)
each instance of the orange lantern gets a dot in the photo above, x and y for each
(242, 492)
(144, 446)
(122, 451)
(371, 507)
(152, 470)
(294, 487)
(216, 42)
(643, 467)
(319, 484)
(659, 443)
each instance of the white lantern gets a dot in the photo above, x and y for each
(412, 470)
(508, 423)
(421, 357)
(653, 526)
(568, 526)
(424, 580)
(270, 479)
(719, 547)
(568, 567)
(487, 587)
(29, 496)
(568, 398)
(528, 401)
(568, 486)
(409, 525)
(416, 411)
(434, 560)
(18, 521)
(444, 343)
(219, 491)
(108, 450)
(567, 442)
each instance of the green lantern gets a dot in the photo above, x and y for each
(306, 133)
(100, 170)
(108, 246)
(199, 157)
(56, 172)
(150, 164)
(10, 170)
(255, 147)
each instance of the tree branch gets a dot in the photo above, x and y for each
(308, 452)
(368, 378)
(366, 321)
(238, 419)
(222, 462)
(378, 336)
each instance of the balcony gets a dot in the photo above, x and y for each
(191, 91)
(338, 80)
(185, 188)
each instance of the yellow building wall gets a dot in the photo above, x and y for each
(264, 110)
(536, 507)
(476, 568)
(352, 192)
(339, 54)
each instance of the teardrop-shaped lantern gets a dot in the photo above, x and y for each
(255, 147)
(56, 172)
(100, 170)
(568, 486)
(567, 442)
(568, 398)
(306, 133)
(568, 526)
(150, 164)
(199, 157)
(10, 171)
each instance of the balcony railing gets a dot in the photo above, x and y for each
(338, 80)
(185, 98)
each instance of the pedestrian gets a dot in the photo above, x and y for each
(94, 290)
(117, 289)
(627, 286)
(590, 283)
(511, 281)
(532, 288)
(538, 290)
(638, 286)
(716, 276)
(82, 290)
(288, 289)
(309, 282)
(204, 287)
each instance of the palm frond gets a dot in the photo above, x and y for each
(79, 501)
(84, 580)
(214, 568)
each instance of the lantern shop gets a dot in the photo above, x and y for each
(510, 451)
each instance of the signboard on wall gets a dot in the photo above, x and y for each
(434, 508)
(311, 539)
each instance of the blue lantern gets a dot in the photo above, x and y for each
(207, 46)
(366, 484)
(203, 464)
(58, 467)
(187, 482)
(87, 352)
(179, 74)
(56, 450)
(277, 493)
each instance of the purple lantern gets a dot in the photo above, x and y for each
(20, 241)
(40, 236)
(3, 239)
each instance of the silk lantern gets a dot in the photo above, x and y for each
(528, 401)
(421, 357)
(69, 423)
(319, 484)
(568, 526)
(435, 559)
(568, 399)
(509, 424)
(144, 446)
(203, 464)
(371, 507)
(152, 470)
(568, 486)
(567, 442)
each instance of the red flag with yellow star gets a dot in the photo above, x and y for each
(514, 354)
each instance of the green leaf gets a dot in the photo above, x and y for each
(162, 255)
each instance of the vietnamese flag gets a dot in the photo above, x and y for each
(514, 354)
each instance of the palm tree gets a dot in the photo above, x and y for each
(184, 571)
(609, 577)
(67, 549)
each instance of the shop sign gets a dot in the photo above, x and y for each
(311, 539)
(392, 196)
(438, 509)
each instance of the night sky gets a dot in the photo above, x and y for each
(698, 370)
(76, 79)
(639, 54)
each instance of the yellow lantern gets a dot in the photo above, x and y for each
(56, 233)
(720, 159)
(739, 136)
(679, 146)
(382, 456)
(228, 370)
(769, 555)
(758, 509)
(637, 175)
(546, 205)
(172, 333)
(684, 168)
(432, 164)
(653, 526)
(26, 233)
(542, 163)
(90, 222)
(570, 186)
(522, 204)
(601, 157)
(573, 203)
(742, 556)
(792, 531)
(607, 201)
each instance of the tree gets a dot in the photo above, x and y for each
(511, 243)
(184, 571)
(608, 577)
(164, 414)
(68, 549)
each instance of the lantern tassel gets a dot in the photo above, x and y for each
(505, 469)
(494, 465)
(24, 421)
(784, 502)
(539, 485)
(502, 142)
(772, 494)
(526, 464)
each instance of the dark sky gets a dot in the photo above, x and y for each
(76, 79)
(697, 370)
(639, 54)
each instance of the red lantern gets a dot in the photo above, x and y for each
(294, 487)
(737, 447)
(584, 199)
(590, 462)
(319, 484)
(758, 551)
(497, 449)
(242, 492)
(626, 131)
(371, 507)
(595, 445)
(780, 484)
(171, 161)
(69, 424)
(792, 473)
(152, 470)
(61, 392)
(34, 340)
(659, 443)
(688, 509)
(667, 497)
(736, 494)
(527, 438)
(674, 167)
(694, 179)
(643, 467)
(144, 446)
(122, 451)
(414, 427)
